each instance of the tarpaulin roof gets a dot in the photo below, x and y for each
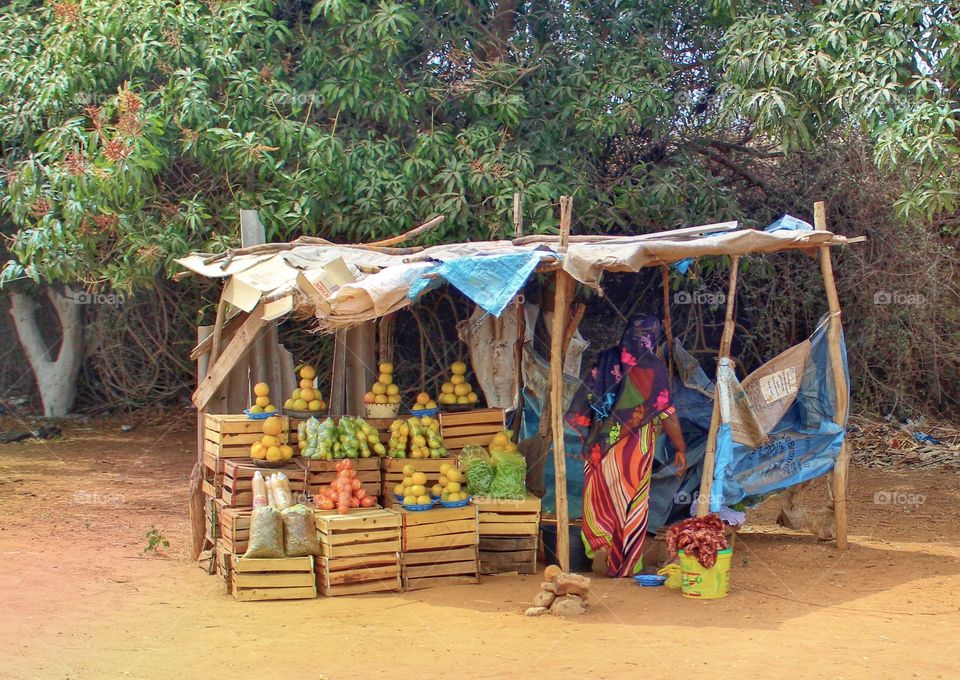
(489, 272)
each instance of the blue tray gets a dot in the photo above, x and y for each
(425, 412)
(650, 580)
(417, 508)
(457, 504)
(259, 416)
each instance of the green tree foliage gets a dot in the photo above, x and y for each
(132, 132)
(892, 69)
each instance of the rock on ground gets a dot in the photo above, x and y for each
(568, 605)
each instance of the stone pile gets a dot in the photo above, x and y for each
(561, 594)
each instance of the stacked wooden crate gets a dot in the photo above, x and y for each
(237, 488)
(470, 428)
(229, 437)
(282, 578)
(234, 534)
(392, 472)
(509, 530)
(319, 473)
(360, 552)
(439, 547)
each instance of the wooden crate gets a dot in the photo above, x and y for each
(439, 547)
(505, 554)
(283, 578)
(319, 473)
(237, 489)
(392, 471)
(470, 428)
(234, 528)
(360, 551)
(227, 437)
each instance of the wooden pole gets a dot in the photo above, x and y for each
(839, 381)
(521, 326)
(726, 340)
(667, 320)
(196, 504)
(565, 286)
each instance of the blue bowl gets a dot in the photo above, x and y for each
(418, 507)
(457, 504)
(425, 412)
(259, 416)
(650, 580)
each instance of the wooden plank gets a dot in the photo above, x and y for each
(465, 430)
(274, 564)
(360, 549)
(352, 538)
(336, 578)
(500, 517)
(479, 415)
(273, 580)
(509, 529)
(266, 594)
(485, 504)
(238, 346)
(446, 541)
(437, 582)
(362, 588)
(345, 563)
(435, 515)
(357, 519)
(441, 569)
(412, 533)
(500, 543)
(433, 556)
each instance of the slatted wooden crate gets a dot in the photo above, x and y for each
(228, 437)
(283, 578)
(319, 473)
(439, 547)
(360, 552)
(237, 490)
(392, 471)
(508, 534)
(470, 428)
(234, 528)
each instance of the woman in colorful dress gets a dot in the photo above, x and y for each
(616, 413)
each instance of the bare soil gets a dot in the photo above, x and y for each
(81, 599)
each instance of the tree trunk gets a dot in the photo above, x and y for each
(56, 377)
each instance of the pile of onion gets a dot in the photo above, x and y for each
(344, 492)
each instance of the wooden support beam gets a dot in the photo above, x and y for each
(834, 332)
(217, 330)
(726, 340)
(238, 346)
(565, 287)
(196, 501)
(667, 319)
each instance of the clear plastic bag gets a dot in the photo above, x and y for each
(299, 532)
(509, 479)
(266, 534)
(475, 461)
(282, 496)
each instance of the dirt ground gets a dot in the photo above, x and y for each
(82, 600)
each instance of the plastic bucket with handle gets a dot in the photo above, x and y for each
(700, 583)
(672, 572)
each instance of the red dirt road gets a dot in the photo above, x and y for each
(81, 600)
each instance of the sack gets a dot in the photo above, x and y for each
(510, 474)
(299, 532)
(266, 534)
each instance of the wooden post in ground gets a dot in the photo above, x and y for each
(197, 506)
(563, 294)
(726, 340)
(839, 381)
(667, 319)
(521, 325)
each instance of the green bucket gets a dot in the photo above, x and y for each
(699, 583)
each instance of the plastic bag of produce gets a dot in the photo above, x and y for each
(299, 532)
(475, 461)
(266, 534)
(260, 498)
(509, 478)
(282, 495)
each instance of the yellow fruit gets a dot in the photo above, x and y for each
(306, 383)
(270, 408)
(399, 490)
(308, 373)
(288, 403)
(273, 425)
(270, 440)
(418, 440)
(453, 497)
(418, 490)
(462, 400)
(287, 451)
(473, 398)
(446, 388)
(409, 500)
(380, 399)
(423, 398)
(295, 394)
(393, 389)
(511, 447)
(306, 394)
(416, 407)
(431, 404)
(499, 439)
(423, 500)
(379, 388)
(386, 378)
(274, 453)
(257, 450)
(444, 481)
(261, 389)
(315, 405)
(300, 405)
(458, 368)
(454, 475)
(436, 489)
(393, 399)
(256, 409)
(462, 390)
(407, 481)
(386, 367)
(444, 468)
(262, 401)
(448, 399)
(453, 487)
(418, 478)
(457, 380)
(408, 470)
